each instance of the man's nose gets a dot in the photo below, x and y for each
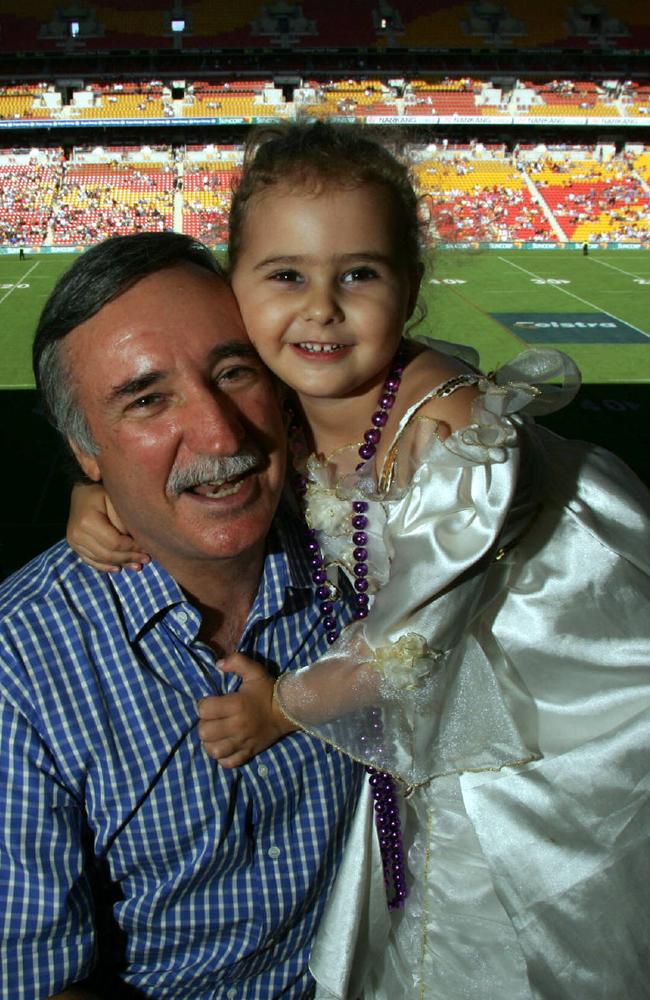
(212, 423)
(322, 305)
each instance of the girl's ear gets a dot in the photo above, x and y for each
(416, 281)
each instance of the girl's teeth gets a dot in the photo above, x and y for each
(321, 348)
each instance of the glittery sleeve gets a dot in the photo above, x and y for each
(409, 689)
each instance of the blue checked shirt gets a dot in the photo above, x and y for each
(217, 878)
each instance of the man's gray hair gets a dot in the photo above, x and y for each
(94, 279)
(56, 386)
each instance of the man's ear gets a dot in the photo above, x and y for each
(88, 463)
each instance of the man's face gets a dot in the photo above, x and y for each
(168, 381)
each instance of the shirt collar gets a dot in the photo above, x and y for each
(286, 569)
(149, 593)
(145, 596)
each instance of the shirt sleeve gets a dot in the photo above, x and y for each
(46, 909)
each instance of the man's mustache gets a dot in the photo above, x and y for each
(214, 470)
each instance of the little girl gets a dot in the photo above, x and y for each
(498, 665)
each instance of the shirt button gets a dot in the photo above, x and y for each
(274, 852)
(231, 993)
(263, 771)
(182, 617)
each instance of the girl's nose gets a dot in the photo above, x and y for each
(322, 306)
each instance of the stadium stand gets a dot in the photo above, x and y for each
(28, 185)
(635, 99)
(28, 100)
(121, 100)
(208, 174)
(449, 97)
(477, 193)
(239, 99)
(594, 198)
(367, 98)
(100, 199)
(642, 165)
(472, 191)
(350, 98)
(570, 98)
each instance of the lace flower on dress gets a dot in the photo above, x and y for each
(325, 510)
(406, 663)
(328, 510)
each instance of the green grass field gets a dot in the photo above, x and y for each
(475, 297)
(541, 288)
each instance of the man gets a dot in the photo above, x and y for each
(217, 878)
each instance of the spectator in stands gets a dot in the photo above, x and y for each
(118, 832)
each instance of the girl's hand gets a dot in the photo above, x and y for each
(234, 727)
(96, 533)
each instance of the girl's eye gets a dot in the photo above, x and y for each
(363, 273)
(287, 275)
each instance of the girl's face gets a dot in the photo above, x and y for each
(322, 288)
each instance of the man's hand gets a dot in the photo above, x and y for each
(234, 727)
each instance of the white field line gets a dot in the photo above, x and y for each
(26, 274)
(603, 263)
(586, 302)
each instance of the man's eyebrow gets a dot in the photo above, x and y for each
(140, 383)
(133, 386)
(232, 349)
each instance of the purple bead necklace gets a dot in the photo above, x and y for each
(385, 802)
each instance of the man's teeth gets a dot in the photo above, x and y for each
(213, 491)
(320, 348)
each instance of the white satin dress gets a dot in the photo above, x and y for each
(508, 647)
